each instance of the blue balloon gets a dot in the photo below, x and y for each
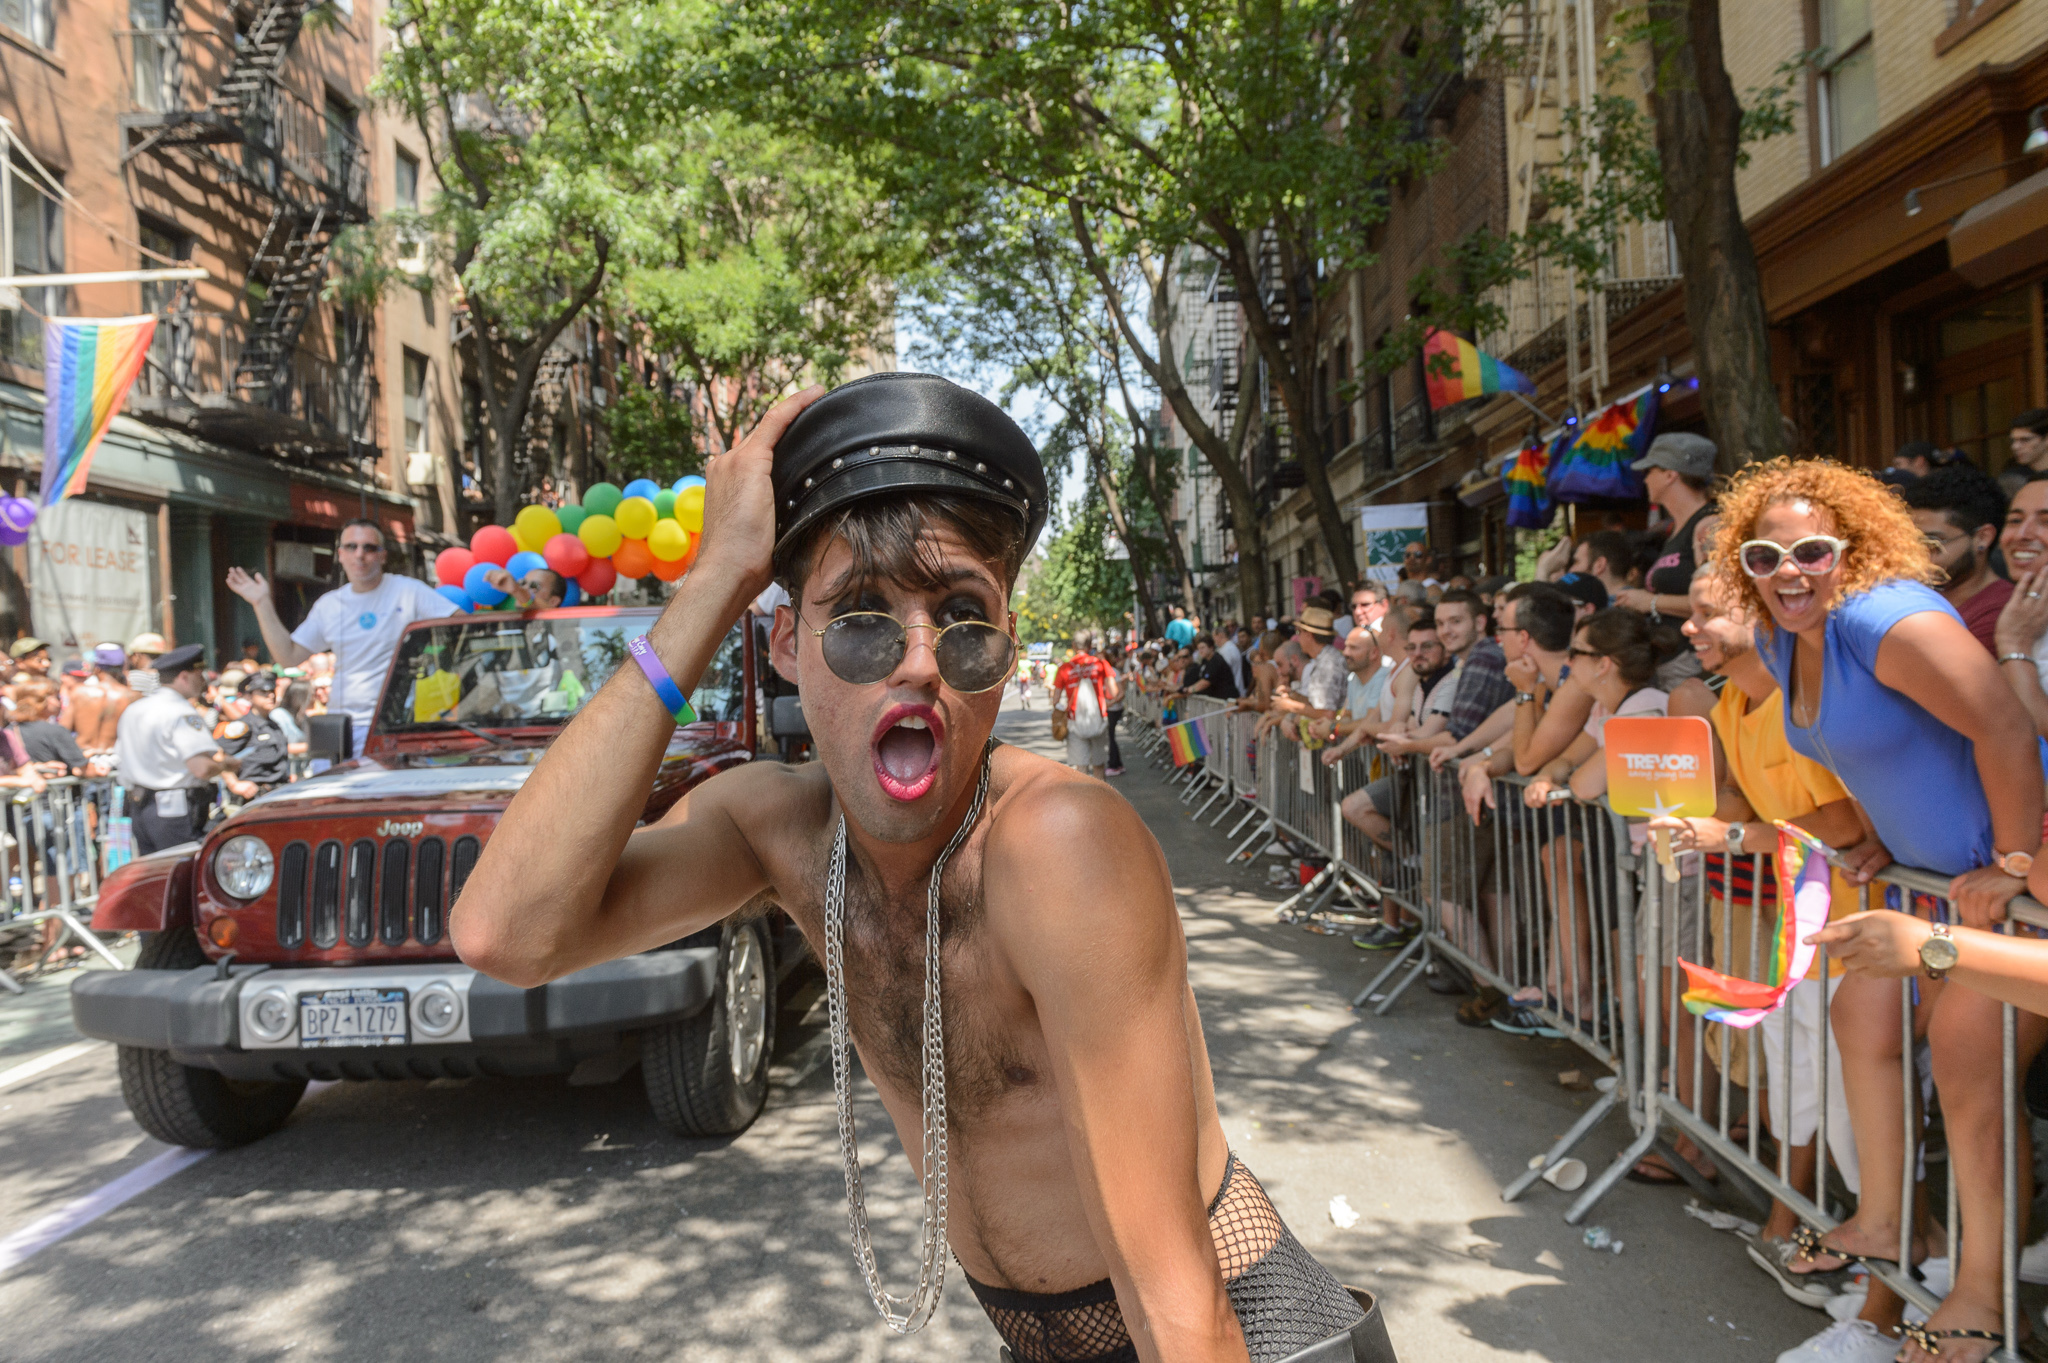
(522, 563)
(641, 487)
(457, 595)
(687, 480)
(479, 588)
(571, 594)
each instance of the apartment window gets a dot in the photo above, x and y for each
(405, 181)
(165, 359)
(1848, 77)
(38, 249)
(155, 50)
(341, 146)
(416, 451)
(29, 18)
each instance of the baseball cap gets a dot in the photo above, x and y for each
(895, 434)
(109, 655)
(1681, 452)
(152, 644)
(1584, 587)
(25, 645)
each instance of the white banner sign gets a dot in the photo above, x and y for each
(89, 575)
(1389, 530)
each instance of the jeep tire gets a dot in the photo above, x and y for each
(185, 1104)
(708, 1075)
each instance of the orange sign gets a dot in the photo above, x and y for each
(1660, 766)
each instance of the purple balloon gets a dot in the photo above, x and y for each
(17, 513)
(11, 537)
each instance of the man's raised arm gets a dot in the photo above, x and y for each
(556, 888)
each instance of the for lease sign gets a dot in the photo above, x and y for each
(89, 574)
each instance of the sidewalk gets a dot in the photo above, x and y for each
(1418, 1122)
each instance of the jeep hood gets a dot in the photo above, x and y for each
(369, 780)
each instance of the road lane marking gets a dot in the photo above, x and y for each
(40, 1234)
(44, 1063)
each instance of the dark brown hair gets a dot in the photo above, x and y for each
(892, 541)
(1623, 635)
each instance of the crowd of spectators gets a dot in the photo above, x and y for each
(1868, 650)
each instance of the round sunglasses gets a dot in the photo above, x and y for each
(1810, 554)
(866, 646)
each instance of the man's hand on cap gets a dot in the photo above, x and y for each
(739, 499)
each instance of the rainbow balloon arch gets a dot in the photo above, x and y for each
(615, 532)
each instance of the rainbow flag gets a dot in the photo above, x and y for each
(1802, 864)
(1528, 487)
(1594, 461)
(1455, 369)
(1186, 742)
(88, 365)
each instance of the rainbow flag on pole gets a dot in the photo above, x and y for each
(88, 366)
(1802, 864)
(1185, 742)
(1455, 369)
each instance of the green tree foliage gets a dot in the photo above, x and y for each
(651, 433)
(1076, 585)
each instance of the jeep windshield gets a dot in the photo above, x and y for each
(505, 671)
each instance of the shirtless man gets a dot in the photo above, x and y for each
(97, 704)
(1089, 1191)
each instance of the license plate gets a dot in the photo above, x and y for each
(353, 1017)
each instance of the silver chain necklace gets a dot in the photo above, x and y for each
(904, 1315)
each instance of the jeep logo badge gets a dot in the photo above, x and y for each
(392, 828)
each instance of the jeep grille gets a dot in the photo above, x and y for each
(407, 876)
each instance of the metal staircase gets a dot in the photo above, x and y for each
(215, 108)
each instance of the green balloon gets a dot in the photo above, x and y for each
(602, 499)
(665, 504)
(571, 517)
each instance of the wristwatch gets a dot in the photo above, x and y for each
(2015, 864)
(1938, 953)
(1525, 697)
(1734, 839)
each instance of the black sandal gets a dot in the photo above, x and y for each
(1929, 1341)
(1810, 1247)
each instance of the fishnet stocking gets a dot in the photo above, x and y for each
(1284, 1300)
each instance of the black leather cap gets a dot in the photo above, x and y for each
(901, 434)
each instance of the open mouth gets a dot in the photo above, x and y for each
(1794, 601)
(906, 746)
(2024, 555)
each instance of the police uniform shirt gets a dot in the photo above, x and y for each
(261, 744)
(155, 736)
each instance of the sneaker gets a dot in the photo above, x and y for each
(1846, 1341)
(1816, 1290)
(1380, 937)
(1447, 980)
(1112, 771)
(1848, 1305)
(1523, 1022)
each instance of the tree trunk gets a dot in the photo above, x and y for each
(1699, 136)
(1144, 461)
(1123, 532)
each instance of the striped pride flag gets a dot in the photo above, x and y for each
(1802, 864)
(1455, 369)
(1185, 742)
(88, 365)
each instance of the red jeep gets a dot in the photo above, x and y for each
(307, 936)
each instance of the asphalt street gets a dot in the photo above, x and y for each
(526, 1219)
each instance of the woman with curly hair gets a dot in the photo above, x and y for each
(1886, 687)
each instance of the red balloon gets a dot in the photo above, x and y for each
(633, 559)
(668, 569)
(599, 578)
(493, 544)
(566, 555)
(452, 565)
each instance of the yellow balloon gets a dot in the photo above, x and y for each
(521, 542)
(534, 526)
(600, 535)
(668, 541)
(690, 509)
(636, 517)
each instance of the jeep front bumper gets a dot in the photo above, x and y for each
(474, 1024)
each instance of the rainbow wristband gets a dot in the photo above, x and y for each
(665, 688)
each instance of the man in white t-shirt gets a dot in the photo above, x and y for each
(360, 622)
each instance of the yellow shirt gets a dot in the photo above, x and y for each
(1781, 785)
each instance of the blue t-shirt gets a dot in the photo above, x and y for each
(1915, 776)
(1182, 632)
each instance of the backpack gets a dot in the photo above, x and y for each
(1088, 720)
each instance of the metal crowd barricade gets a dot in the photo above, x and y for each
(51, 849)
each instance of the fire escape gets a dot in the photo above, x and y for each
(212, 110)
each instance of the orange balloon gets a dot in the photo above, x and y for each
(689, 555)
(633, 558)
(668, 569)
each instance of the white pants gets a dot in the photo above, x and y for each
(1802, 1014)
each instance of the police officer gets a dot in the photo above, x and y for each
(256, 739)
(167, 759)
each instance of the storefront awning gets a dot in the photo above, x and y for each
(2003, 235)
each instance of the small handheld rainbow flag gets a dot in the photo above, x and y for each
(1455, 369)
(1802, 864)
(1185, 742)
(88, 366)
(1527, 480)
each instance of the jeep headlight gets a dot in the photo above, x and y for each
(244, 866)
